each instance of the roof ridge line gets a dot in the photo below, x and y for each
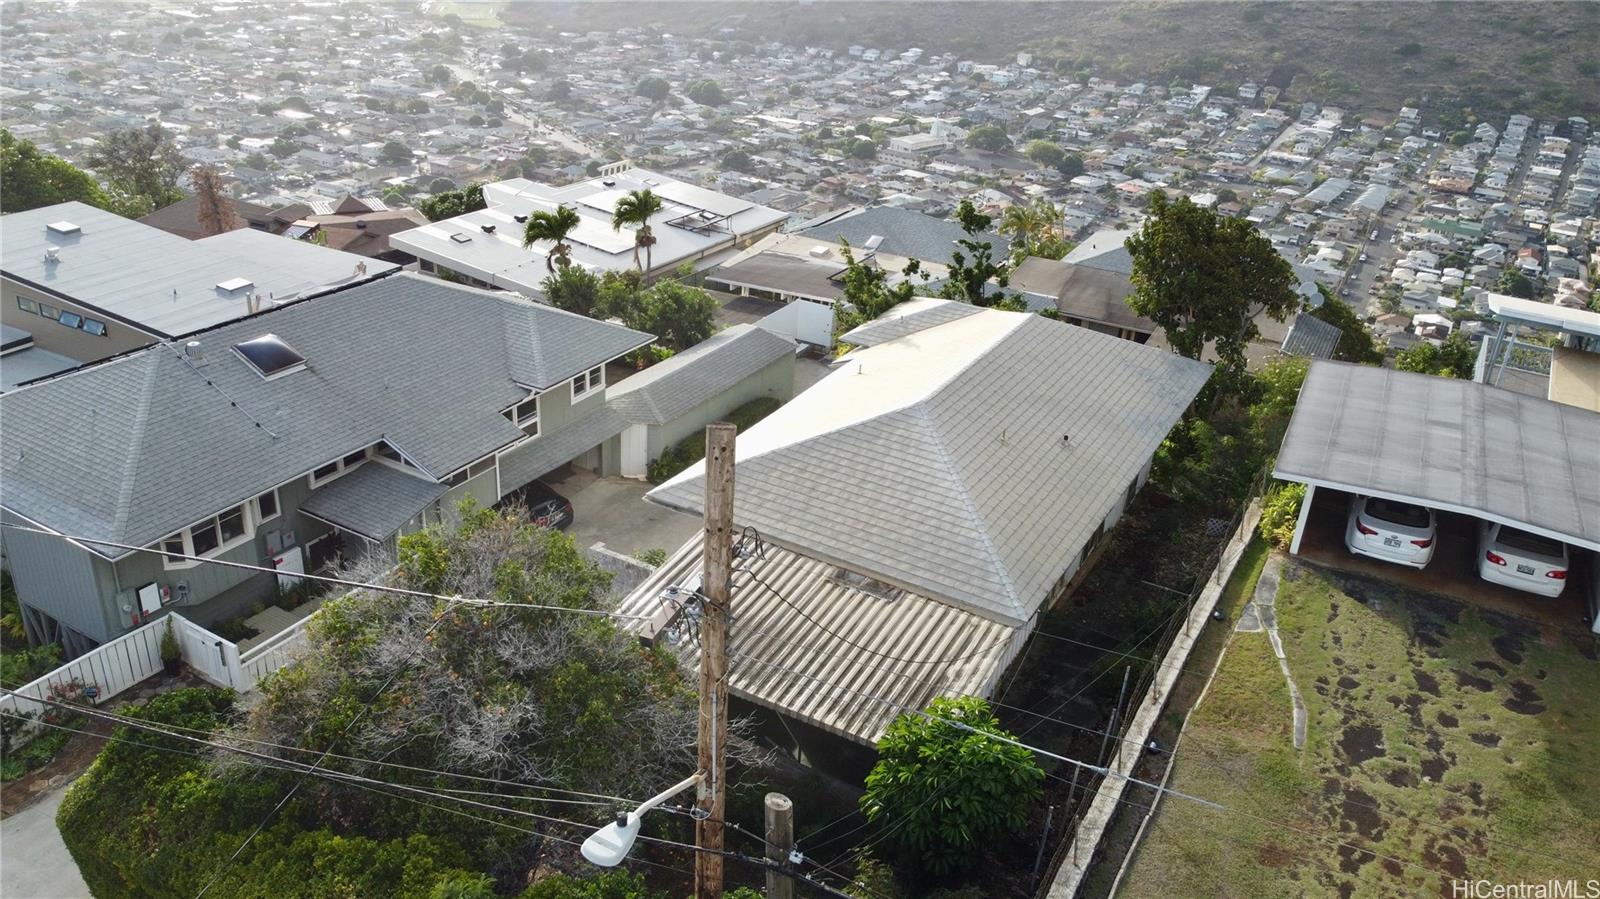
(926, 418)
(119, 522)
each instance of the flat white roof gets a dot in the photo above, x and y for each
(1572, 321)
(500, 260)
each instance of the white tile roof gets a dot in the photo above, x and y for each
(936, 462)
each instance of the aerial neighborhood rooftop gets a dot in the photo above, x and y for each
(995, 473)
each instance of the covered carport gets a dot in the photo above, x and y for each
(1469, 451)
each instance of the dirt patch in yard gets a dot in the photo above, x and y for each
(1482, 665)
(1448, 720)
(1360, 809)
(1486, 740)
(1525, 700)
(73, 759)
(1361, 743)
(1426, 682)
(1467, 679)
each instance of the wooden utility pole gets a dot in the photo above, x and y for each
(780, 840)
(717, 564)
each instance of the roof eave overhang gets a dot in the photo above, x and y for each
(1282, 475)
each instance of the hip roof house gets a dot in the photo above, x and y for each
(928, 498)
(282, 437)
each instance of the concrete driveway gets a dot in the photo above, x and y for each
(34, 863)
(613, 511)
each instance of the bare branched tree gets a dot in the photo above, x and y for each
(216, 213)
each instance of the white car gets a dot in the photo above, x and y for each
(1391, 531)
(1520, 560)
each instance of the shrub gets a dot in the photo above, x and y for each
(611, 885)
(1280, 512)
(655, 557)
(984, 787)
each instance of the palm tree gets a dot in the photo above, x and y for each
(551, 226)
(636, 208)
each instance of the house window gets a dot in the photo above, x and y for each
(71, 319)
(585, 383)
(210, 537)
(267, 505)
(338, 467)
(27, 305)
(525, 415)
(95, 327)
(49, 311)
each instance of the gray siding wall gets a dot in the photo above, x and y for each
(60, 580)
(558, 411)
(776, 381)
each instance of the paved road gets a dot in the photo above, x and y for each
(34, 863)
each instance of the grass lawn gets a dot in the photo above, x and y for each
(1443, 742)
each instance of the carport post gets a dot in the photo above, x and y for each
(1300, 526)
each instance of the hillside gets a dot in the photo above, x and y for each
(1491, 58)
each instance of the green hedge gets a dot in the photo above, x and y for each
(693, 448)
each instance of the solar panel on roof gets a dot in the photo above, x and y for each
(270, 356)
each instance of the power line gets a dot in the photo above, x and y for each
(1096, 769)
(362, 713)
(325, 579)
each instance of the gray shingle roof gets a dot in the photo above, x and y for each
(1448, 444)
(541, 456)
(936, 462)
(789, 274)
(375, 500)
(905, 232)
(1106, 250)
(142, 445)
(908, 318)
(1311, 336)
(671, 388)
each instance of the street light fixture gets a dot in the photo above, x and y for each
(609, 845)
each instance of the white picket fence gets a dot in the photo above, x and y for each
(135, 656)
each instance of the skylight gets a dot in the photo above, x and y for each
(233, 284)
(64, 228)
(270, 356)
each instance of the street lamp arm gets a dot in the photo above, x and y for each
(609, 845)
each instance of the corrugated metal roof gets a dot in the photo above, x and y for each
(779, 660)
(1311, 336)
(1448, 444)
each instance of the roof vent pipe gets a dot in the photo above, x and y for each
(193, 351)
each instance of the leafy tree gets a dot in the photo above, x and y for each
(141, 162)
(988, 137)
(216, 213)
(573, 288)
(867, 292)
(737, 161)
(440, 74)
(1035, 229)
(1045, 153)
(610, 885)
(282, 147)
(1455, 358)
(451, 203)
(678, 314)
(553, 226)
(1516, 283)
(706, 93)
(1355, 339)
(635, 208)
(30, 179)
(1204, 278)
(969, 275)
(395, 153)
(653, 88)
(417, 107)
(560, 89)
(943, 790)
(1071, 165)
(441, 185)
(475, 121)
(864, 149)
